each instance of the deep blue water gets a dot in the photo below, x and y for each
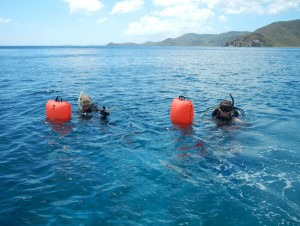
(136, 168)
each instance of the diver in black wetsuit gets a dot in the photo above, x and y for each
(226, 111)
(87, 106)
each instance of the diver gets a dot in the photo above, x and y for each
(226, 111)
(87, 106)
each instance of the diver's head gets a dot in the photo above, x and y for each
(85, 102)
(225, 108)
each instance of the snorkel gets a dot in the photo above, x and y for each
(232, 101)
(83, 101)
(79, 101)
(236, 108)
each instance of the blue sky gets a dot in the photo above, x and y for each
(98, 22)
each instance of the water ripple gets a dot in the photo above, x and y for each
(136, 168)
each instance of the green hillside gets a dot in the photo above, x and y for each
(278, 34)
(282, 34)
(192, 39)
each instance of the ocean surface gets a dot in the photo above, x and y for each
(136, 167)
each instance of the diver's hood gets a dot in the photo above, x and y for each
(225, 103)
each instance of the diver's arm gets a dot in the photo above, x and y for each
(94, 107)
(104, 112)
(237, 120)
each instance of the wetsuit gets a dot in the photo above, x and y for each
(86, 113)
(216, 114)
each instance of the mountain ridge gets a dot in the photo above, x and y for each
(277, 34)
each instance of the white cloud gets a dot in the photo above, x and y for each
(126, 6)
(4, 20)
(85, 6)
(240, 6)
(101, 20)
(236, 6)
(204, 3)
(279, 6)
(261, 7)
(223, 18)
(167, 3)
(172, 27)
(175, 18)
(147, 25)
(187, 12)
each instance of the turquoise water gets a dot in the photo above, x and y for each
(136, 168)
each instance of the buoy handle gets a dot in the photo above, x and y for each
(57, 99)
(181, 98)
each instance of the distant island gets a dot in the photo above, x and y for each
(278, 34)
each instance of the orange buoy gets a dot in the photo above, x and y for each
(182, 111)
(58, 110)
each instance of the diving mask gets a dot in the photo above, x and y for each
(226, 106)
(84, 102)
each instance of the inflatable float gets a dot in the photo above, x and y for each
(182, 111)
(58, 110)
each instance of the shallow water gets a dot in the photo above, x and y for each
(136, 168)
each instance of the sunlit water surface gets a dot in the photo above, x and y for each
(136, 168)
